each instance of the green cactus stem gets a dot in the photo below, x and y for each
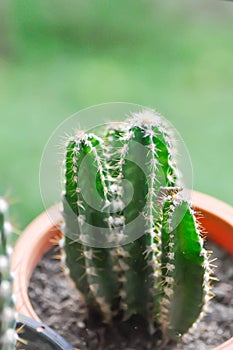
(186, 271)
(8, 336)
(122, 187)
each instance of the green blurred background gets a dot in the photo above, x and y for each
(59, 56)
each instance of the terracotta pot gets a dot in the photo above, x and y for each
(40, 235)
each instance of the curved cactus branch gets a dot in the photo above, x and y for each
(186, 272)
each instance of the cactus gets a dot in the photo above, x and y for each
(8, 335)
(156, 266)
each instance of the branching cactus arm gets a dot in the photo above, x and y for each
(88, 219)
(186, 271)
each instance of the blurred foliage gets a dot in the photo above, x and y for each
(59, 56)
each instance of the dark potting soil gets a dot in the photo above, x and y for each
(61, 307)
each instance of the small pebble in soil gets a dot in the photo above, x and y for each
(61, 307)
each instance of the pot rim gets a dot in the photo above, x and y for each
(40, 234)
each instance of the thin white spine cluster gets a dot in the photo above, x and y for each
(92, 276)
(88, 251)
(146, 121)
(153, 219)
(8, 316)
(90, 270)
(9, 338)
(168, 282)
(3, 206)
(116, 221)
(208, 277)
(166, 131)
(61, 242)
(148, 118)
(98, 161)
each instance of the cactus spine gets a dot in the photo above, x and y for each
(156, 266)
(8, 336)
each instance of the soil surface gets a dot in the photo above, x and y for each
(61, 307)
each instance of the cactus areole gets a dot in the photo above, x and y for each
(132, 243)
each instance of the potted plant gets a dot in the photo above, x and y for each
(18, 331)
(144, 256)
